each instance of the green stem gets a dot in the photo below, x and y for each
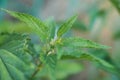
(36, 71)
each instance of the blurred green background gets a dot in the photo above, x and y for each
(98, 20)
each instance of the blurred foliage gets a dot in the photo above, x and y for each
(14, 27)
(116, 3)
(116, 35)
(64, 69)
(80, 25)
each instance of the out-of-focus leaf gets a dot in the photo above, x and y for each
(116, 35)
(116, 3)
(52, 27)
(20, 27)
(80, 25)
(67, 68)
(66, 26)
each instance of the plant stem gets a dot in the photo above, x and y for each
(36, 71)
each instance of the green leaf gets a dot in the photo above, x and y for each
(77, 54)
(50, 61)
(10, 66)
(91, 57)
(66, 26)
(82, 43)
(35, 24)
(19, 45)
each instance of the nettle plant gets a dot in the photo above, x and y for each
(20, 61)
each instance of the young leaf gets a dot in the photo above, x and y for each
(35, 24)
(66, 26)
(82, 43)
